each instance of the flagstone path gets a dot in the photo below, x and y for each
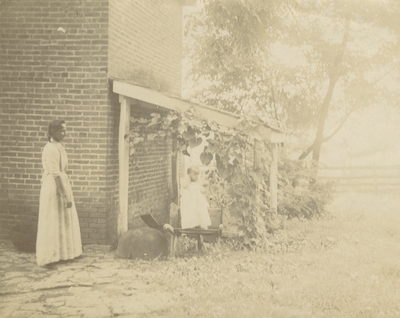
(95, 285)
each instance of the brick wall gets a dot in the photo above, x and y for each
(150, 176)
(56, 61)
(48, 73)
(145, 45)
(145, 48)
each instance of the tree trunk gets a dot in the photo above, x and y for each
(324, 109)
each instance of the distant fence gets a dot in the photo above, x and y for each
(362, 178)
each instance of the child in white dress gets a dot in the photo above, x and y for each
(194, 205)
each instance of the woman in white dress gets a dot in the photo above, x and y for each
(194, 205)
(58, 236)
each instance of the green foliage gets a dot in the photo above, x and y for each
(301, 195)
(216, 190)
(226, 47)
(243, 190)
(309, 64)
(234, 183)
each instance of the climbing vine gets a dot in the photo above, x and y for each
(229, 150)
(234, 181)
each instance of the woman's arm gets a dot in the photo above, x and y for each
(62, 188)
(52, 159)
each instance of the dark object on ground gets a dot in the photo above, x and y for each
(151, 222)
(113, 246)
(144, 243)
(23, 236)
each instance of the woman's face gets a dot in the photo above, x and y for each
(60, 134)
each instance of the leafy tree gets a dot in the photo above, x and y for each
(343, 52)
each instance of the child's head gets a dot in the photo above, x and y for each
(193, 173)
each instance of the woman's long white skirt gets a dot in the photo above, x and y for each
(58, 236)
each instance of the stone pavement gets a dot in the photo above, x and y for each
(95, 285)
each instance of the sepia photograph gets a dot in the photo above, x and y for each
(199, 158)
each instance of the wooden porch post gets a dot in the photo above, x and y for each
(123, 157)
(273, 179)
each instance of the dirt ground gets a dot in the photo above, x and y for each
(344, 266)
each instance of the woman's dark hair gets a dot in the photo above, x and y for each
(54, 126)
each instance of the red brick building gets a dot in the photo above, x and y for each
(95, 64)
(60, 59)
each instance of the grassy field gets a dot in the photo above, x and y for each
(347, 265)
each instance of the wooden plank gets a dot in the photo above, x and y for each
(344, 177)
(151, 221)
(392, 167)
(153, 97)
(123, 156)
(222, 118)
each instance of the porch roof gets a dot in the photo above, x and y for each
(222, 118)
(129, 91)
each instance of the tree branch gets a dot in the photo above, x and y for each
(334, 76)
(325, 139)
(307, 151)
(324, 109)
